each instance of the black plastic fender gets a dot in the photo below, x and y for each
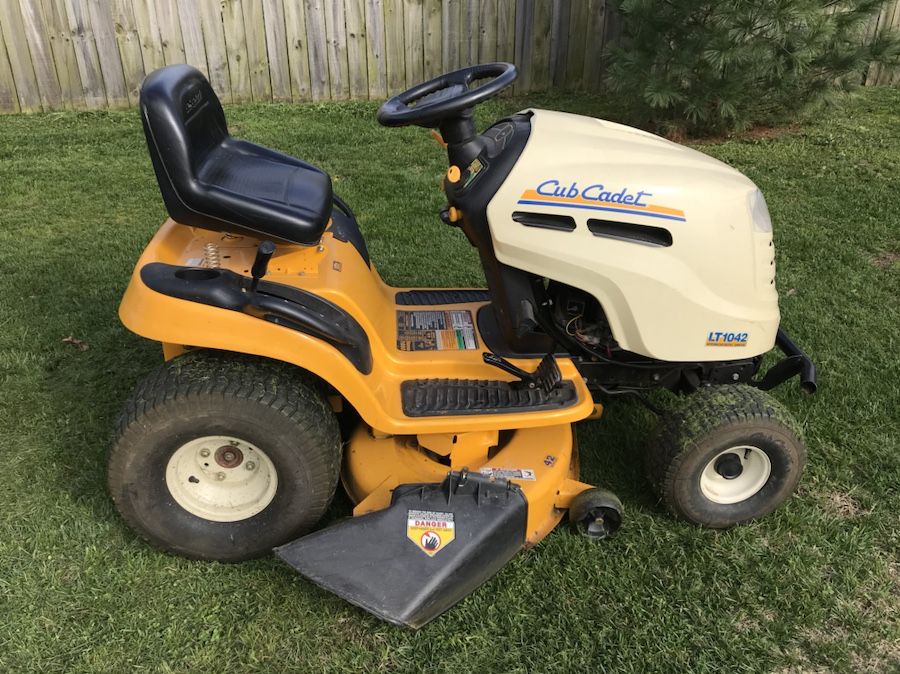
(433, 546)
(275, 302)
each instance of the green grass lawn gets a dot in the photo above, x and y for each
(814, 587)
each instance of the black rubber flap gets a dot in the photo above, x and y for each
(433, 546)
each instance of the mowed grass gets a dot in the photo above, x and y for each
(814, 587)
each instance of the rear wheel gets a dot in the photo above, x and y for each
(223, 456)
(730, 454)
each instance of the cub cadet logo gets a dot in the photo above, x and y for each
(193, 102)
(727, 339)
(552, 188)
(598, 197)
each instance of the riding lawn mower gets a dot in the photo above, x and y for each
(617, 263)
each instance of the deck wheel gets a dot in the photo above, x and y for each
(596, 514)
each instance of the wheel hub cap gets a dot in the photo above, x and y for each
(601, 523)
(221, 478)
(229, 456)
(729, 466)
(735, 474)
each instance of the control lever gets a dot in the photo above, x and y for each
(547, 375)
(264, 253)
(451, 216)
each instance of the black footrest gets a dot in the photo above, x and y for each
(458, 397)
(430, 297)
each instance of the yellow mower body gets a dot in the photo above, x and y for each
(390, 448)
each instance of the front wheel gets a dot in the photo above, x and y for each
(729, 455)
(223, 456)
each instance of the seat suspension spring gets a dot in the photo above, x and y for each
(211, 257)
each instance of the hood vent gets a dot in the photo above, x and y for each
(626, 231)
(563, 223)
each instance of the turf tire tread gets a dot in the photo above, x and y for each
(196, 375)
(703, 412)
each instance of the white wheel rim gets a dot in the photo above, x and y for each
(221, 478)
(755, 471)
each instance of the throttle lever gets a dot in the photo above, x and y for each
(264, 253)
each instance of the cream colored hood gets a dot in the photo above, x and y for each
(711, 290)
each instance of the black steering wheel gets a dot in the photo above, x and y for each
(446, 96)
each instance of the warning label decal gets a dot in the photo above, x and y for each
(435, 331)
(509, 473)
(430, 531)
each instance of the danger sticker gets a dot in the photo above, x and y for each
(435, 331)
(430, 531)
(509, 473)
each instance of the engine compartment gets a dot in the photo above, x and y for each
(579, 321)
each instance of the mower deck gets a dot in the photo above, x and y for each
(542, 462)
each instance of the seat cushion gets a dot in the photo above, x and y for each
(249, 184)
(209, 179)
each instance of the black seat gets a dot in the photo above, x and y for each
(209, 179)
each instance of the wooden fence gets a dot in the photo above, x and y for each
(90, 54)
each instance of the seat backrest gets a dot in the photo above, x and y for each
(183, 121)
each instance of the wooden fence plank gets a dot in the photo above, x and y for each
(578, 34)
(60, 38)
(876, 26)
(894, 76)
(85, 54)
(394, 57)
(108, 53)
(595, 42)
(9, 100)
(170, 31)
(36, 35)
(298, 56)
(872, 28)
(336, 48)
(451, 33)
(257, 59)
(276, 49)
(523, 46)
(375, 57)
(316, 41)
(214, 46)
(468, 44)
(559, 42)
(487, 32)
(129, 46)
(357, 60)
(192, 35)
(236, 48)
(891, 17)
(148, 31)
(432, 54)
(19, 57)
(506, 30)
(413, 34)
(540, 39)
